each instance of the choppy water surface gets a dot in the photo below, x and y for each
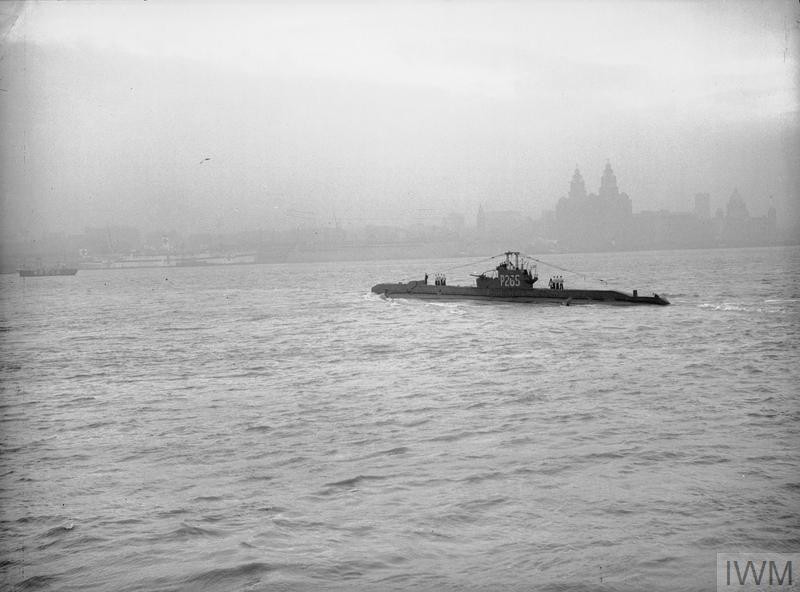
(279, 427)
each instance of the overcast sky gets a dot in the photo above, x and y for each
(221, 116)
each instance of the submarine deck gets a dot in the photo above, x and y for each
(523, 295)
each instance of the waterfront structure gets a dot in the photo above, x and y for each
(702, 206)
(588, 221)
(739, 228)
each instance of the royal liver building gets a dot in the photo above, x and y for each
(594, 221)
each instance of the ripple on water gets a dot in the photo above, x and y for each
(226, 431)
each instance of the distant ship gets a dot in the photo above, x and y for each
(46, 271)
(512, 281)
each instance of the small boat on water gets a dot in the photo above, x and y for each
(46, 271)
(512, 281)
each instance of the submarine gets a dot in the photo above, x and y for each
(513, 280)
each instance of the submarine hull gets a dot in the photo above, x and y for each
(523, 295)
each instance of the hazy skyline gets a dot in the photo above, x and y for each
(217, 116)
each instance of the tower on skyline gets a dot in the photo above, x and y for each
(577, 187)
(608, 183)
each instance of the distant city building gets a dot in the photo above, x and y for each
(772, 215)
(737, 209)
(741, 229)
(702, 206)
(605, 221)
(453, 222)
(594, 221)
(670, 230)
(577, 187)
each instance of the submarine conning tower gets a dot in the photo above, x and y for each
(511, 274)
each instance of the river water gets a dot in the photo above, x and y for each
(279, 427)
